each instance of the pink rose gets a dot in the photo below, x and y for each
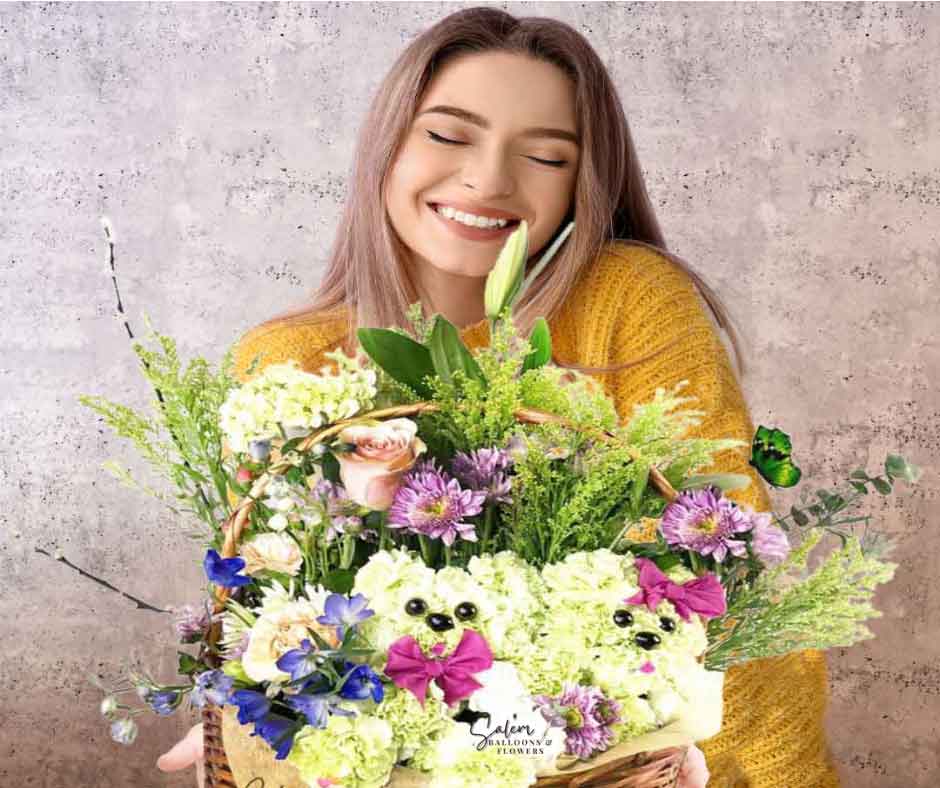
(372, 471)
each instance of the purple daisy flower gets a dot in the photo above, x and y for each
(486, 470)
(768, 541)
(705, 523)
(431, 503)
(587, 716)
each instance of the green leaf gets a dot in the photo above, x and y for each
(899, 468)
(798, 517)
(667, 561)
(187, 664)
(448, 352)
(881, 486)
(541, 340)
(639, 485)
(340, 581)
(859, 475)
(859, 487)
(400, 356)
(330, 466)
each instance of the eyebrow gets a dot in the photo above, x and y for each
(483, 123)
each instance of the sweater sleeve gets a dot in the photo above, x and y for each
(773, 732)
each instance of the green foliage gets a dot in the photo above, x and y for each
(405, 360)
(541, 340)
(827, 512)
(789, 609)
(181, 438)
(449, 354)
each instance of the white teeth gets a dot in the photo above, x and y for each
(468, 218)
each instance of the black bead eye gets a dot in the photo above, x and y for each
(416, 607)
(667, 624)
(623, 618)
(465, 611)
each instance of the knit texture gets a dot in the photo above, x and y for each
(629, 303)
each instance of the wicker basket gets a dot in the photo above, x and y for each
(642, 770)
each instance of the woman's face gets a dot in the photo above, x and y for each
(513, 155)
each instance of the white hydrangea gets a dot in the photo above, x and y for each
(298, 401)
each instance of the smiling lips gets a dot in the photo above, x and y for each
(476, 210)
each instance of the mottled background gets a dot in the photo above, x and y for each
(791, 150)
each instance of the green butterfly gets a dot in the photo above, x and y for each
(770, 454)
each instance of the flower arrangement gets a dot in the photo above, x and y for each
(424, 559)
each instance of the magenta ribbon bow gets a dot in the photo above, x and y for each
(410, 669)
(703, 595)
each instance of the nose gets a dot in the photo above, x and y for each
(647, 640)
(439, 622)
(487, 173)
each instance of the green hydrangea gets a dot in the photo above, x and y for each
(415, 728)
(357, 752)
(284, 396)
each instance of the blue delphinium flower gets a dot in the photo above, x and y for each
(343, 613)
(317, 707)
(278, 732)
(224, 571)
(361, 683)
(252, 705)
(300, 662)
(213, 686)
(163, 702)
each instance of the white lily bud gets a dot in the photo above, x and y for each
(505, 280)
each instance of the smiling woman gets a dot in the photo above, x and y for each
(486, 120)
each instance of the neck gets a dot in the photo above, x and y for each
(458, 298)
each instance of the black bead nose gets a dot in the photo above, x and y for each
(647, 640)
(440, 622)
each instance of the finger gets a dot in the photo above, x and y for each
(201, 773)
(184, 753)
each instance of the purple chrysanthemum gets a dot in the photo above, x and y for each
(587, 716)
(705, 523)
(486, 470)
(768, 541)
(431, 503)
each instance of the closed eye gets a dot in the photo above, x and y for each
(446, 141)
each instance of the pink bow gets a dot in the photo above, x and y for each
(703, 595)
(410, 669)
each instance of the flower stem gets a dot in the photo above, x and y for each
(349, 551)
(487, 527)
(425, 549)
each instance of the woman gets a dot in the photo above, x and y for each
(486, 120)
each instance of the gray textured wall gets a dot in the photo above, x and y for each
(791, 150)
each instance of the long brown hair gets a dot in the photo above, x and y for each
(610, 199)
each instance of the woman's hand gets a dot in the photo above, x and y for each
(184, 753)
(694, 772)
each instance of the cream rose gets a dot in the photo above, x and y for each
(371, 472)
(276, 633)
(274, 552)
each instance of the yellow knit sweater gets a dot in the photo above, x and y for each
(630, 302)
